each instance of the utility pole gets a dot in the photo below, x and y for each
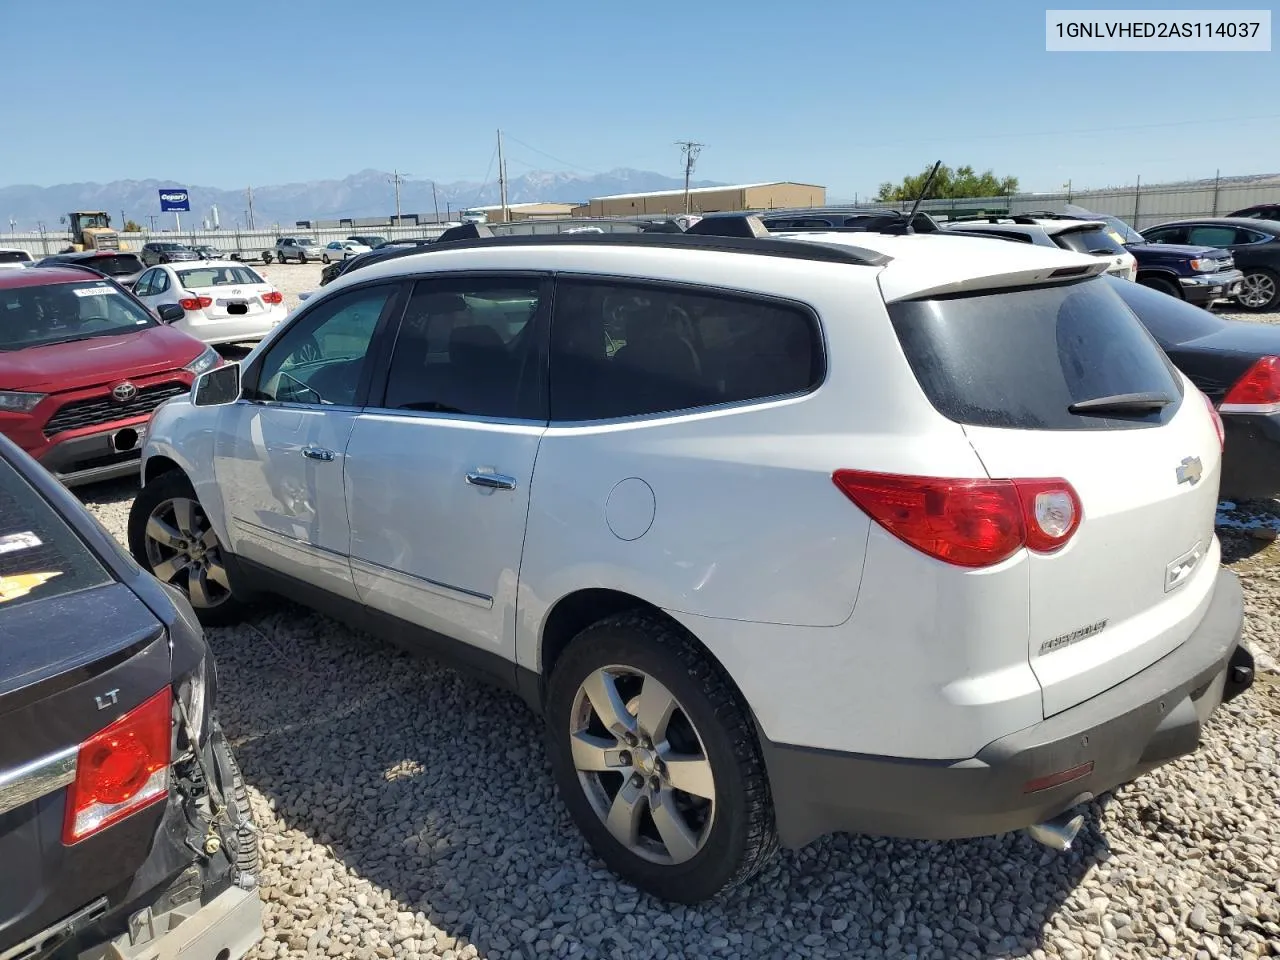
(396, 178)
(152, 218)
(502, 179)
(434, 202)
(248, 214)
(690, 150)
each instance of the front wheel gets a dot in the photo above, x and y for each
(302, 258)
(1161, 284)
(324, 258)
(266, 257)
(657, 760)
(171, 537)
(1259, 290)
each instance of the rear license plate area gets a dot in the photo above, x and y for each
(237, 307)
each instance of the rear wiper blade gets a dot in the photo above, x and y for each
(1121, 403)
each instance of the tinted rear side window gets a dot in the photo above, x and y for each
(116, 266)
(1019, 358)
(622, 350)
(14, 256)
(1096, 240)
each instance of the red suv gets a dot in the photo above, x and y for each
(82, 365)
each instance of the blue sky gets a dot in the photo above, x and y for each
(846, 94)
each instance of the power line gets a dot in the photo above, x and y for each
(690, 149)
(488, 170)
(576, 166)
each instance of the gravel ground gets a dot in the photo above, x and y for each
(407, 811)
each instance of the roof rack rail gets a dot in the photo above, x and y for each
(767, 245)
(1022, 219)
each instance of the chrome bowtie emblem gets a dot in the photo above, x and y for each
(124, 392)
(1190, 471)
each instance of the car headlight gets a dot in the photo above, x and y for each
(1204, 265)
(16, 402)
(207, 360)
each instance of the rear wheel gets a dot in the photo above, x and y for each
(657, 761)
(171, 537)
(324, 258)
(1161, 284)
(1259, 290)
(266, 257)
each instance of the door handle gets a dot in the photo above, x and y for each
(491, 481)
(313, 452)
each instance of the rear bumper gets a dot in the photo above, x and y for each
(225, 928)
(1148, 720)
(1206, 288)
(1251, 456)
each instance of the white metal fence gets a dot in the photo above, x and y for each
(246, 243)
(1142, 206)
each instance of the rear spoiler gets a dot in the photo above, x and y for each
(993, 282)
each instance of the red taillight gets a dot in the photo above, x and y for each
(195, 303)
(121, 769)
(969, 523)
(1217, 423)
(1258, 391)
(275, 296)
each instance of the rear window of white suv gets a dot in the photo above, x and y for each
(1022, 357)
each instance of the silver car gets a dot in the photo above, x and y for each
(301, 249)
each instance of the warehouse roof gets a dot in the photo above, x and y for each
(725, 186)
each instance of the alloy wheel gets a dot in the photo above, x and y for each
(183, 550)
(1257, 290)
(642, 764)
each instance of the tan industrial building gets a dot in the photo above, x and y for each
(740, 196)
(528, 211)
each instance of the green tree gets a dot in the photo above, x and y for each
(953, 184)
(132, 226)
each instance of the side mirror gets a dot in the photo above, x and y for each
(219, 386)
(170, 312)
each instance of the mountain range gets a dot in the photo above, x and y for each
(369, 193)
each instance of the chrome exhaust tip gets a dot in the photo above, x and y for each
(1058, 833)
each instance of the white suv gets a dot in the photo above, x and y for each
(1082, 236)
(907, 535)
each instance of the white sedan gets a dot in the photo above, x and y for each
(222, 301)
(341, 249)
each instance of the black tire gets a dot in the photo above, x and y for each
(247, 857)
(170, 486)
(266, 257)
(324, 258)
(1161, 284)
(302, 258)
(742, 836)
(1265, 276)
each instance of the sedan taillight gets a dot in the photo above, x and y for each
(195, 303)
(274, 296)
(121, 769)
